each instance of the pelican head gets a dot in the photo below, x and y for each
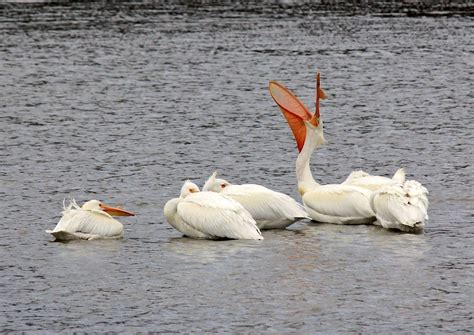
(214, 184)
(99, 206)
(188, 188)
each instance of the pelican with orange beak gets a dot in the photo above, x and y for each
(334, 203)
(91, 221)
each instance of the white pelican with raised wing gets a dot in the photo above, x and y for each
(209, 215)
(270, 209)
(91, 221)
(334, 203)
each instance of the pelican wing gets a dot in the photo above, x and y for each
(343, 201)
(171, 213)
(371, 183)
(217, 216)
(357, 174)
(265, 204)
(394, 207)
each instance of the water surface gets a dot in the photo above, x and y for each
(123, 106)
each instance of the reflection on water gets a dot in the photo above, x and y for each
(203, 251)
(124, 105)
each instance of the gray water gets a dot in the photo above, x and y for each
(124, 106)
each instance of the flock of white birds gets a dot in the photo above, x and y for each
(226, 211)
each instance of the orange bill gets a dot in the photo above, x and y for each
(115, 211)
(294, 111)
(320, 94)
(297, 128)
(288, 101)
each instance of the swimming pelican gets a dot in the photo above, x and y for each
(398, 203)
(373, 183)
(270, 209)
(91, 221)
(402, 206)
(334, 203)
(209, 215)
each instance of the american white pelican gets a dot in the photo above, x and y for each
(334, 203)
(398, 203)
(373, 183)
(91, 221)
(401, 206)
(270, 209)
(209, 215)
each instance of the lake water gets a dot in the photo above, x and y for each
(125, 105)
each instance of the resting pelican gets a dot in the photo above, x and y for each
(91, 221)
(334, 203)
(402, 206)
(398, 203)
(373, 183)
(209, 215)
(270, 209)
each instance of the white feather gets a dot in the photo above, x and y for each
(78, 223)
(401, 206)
(210, 215)
(340, 204)
(397, 203)
(363, 179)
(270, 209)
(334, 203)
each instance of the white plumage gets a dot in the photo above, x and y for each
(402, 206)
(373, 183)
(91, 221)
(340, 204)
(396, 203)
(209, 215)
(335, 203)
(270, 209)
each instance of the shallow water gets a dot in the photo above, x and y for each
(123, 106)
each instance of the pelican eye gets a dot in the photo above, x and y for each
(223, 185)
